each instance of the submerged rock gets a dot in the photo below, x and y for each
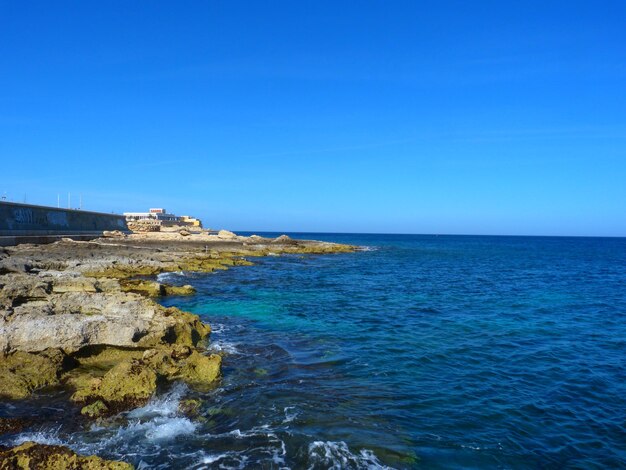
(190, 407)
(46, 457)
(13, 425)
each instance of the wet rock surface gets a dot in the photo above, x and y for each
(13, 425)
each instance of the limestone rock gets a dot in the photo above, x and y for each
(226, 235)
(75, 320)
(285, 240)
(149, 288)
(155, 289)
(32, 456)
(16, 289)
(113, 234)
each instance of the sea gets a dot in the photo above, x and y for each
(416, 351)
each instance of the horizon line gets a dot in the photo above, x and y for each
(431, 234)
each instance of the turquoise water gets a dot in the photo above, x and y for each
(417, 352)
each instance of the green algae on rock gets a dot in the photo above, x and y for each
(22, 373)
(95, 410)
(132, 381)
(127, 385)
(32, 456)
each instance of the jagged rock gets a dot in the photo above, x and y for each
(184, 233)
(32, 456)
(226, 235)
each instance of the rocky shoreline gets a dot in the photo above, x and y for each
(84, 316)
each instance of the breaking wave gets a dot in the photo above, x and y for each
(337, 456)
(171, 276)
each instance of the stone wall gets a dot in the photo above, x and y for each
(21, 222)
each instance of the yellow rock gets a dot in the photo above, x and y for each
(45, 457)
(128, 384)
(179, 290)
(95, 410)
(21, 373)
(199, 370)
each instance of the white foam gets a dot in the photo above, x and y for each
(169, 428)
(337, 456)
(50, 437)
(163, 406)
(162, 277)
(367, 248)
(217, 328)
(223, 346)
(159, 419)
(290, 414)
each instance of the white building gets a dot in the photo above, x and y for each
(157, 216)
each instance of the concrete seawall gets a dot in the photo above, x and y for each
(26, 223)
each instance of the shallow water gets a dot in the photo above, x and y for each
(418, 352)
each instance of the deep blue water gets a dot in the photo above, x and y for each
(421, 352)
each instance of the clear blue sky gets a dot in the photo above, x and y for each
(373, 116)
